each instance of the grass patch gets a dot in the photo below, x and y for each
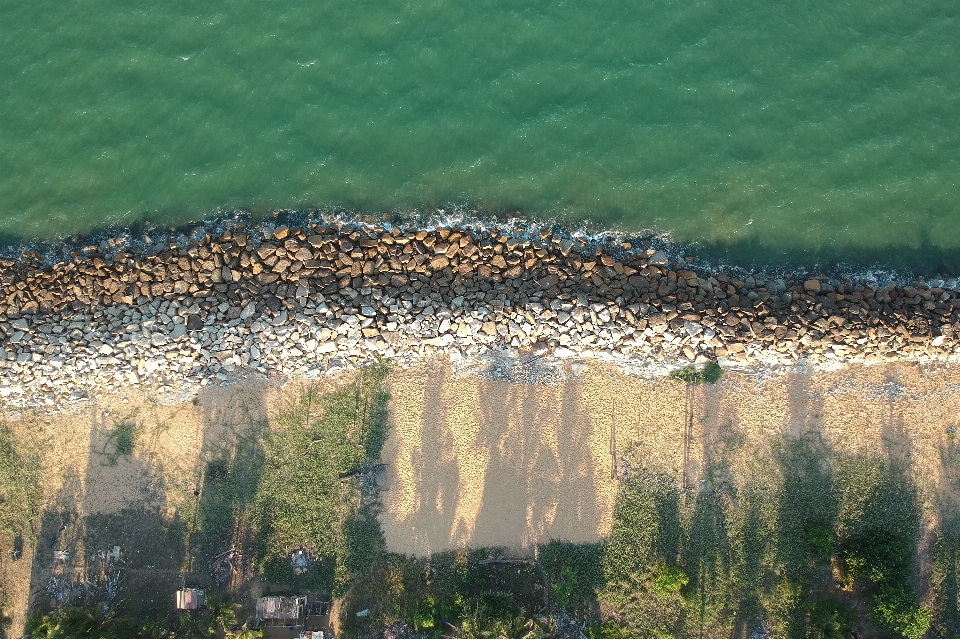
(19, 486)
(301, 501)
(123, 437)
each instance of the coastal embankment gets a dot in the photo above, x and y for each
(219, 302)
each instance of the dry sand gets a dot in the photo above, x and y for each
(477, 463)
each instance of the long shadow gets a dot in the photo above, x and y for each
(106, 539)
(708, 555)
(530, 490)
(896, 439)
(724, 441)
(945, 570)
(221, 540)
(436, 466)
(805, 521)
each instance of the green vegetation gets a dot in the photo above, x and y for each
(124, 438)
(19, 486)
(710, 374)
(282, 488)
(574, 572)
(301, 502)
(670, 580)
(19, 500)
(86, 621)
(450, 593)
(729, 559)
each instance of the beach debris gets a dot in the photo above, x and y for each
(301, 560)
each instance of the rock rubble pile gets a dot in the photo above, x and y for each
(308, 301)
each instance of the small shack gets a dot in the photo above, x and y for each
(281, 616)
(190, 599)
(293, 618)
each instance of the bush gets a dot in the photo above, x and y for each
(876, 555)
(607, 630)
(687, 374)
(896, 609)
(424, 616)
(669, 580)
(495, 605)
(710, 374)
(820, 538)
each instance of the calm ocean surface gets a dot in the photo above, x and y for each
(799, 131)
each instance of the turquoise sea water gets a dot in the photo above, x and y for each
(806, 130)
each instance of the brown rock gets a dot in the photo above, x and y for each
(281, 232)
(439, 262)
(812, 286)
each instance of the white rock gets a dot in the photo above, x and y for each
(692, 329)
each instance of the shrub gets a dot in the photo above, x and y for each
(687, 374)
(607, 630)
(876, 555)
(820, 538)
(564, 587)
(896, 609)
(497, 606)
(669, 580)
(710, 374)
(423, 616)
(124, 438)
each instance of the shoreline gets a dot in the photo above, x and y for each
(229, 300)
